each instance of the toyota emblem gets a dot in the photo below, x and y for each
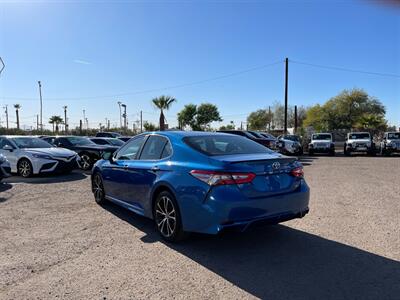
(276, 165)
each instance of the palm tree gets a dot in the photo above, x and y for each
(163, 103)
(17, 107)
(56, 120)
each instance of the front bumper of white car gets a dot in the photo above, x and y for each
(54, 164)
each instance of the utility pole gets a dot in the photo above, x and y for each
(80, 127)
(6, 108)
(286, 91)
(108, 124)
(37, 122)
(65, 118)
(141, 121)
(124, 115)
(120, 118)
(295, 118)
(87, 124)
(41, 106)
(270, 117)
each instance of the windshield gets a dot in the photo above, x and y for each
(294, 138)
(74, 140)
(267, 135)
(116, 142)
(224, 145)
(325, 137)
(29, 142)
(359, 136)
(394, 135)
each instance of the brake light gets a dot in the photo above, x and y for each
(222, 178)
(297, 172)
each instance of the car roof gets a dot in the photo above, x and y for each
(185, 133)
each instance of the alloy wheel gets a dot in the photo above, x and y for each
(24, 168)
(98, 189)
(85, 162)
(165, 216)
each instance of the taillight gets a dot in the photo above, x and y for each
(297, 172)
(222, 178)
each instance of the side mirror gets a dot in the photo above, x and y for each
(8, 148)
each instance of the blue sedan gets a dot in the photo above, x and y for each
(201, 182)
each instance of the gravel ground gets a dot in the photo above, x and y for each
(57, 243)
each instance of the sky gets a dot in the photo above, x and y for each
(91, 54)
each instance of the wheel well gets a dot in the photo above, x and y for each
(23, 158)
(157, 191)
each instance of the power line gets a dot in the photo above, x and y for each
(160, 89)
(345, 69)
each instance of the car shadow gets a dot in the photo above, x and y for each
(279, 262)
(3, 188)
(307, 160)
(50, 178)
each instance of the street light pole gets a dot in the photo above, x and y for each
(120, 119)
(65, 118)
(41, 106)
(124, 115)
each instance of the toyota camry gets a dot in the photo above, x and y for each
(201, 182)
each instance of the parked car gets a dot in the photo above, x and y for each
(124, 138)
(107, 141)
(390, 143)
(31, 155)
(5, 168)
(274, 140)
(290, 144)
(88, 151)
(201, 182)
(108, 134)
(359, 142)
(252, 135)
(321, 143)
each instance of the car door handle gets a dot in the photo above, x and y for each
(155, 168)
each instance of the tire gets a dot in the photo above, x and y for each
(167, 217)
(98, 189)
(332, 152)
(24, 168)
(311, 152)
(86, 162)
(346, 152)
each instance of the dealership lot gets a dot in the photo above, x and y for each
(57, 243)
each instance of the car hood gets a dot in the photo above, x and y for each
(321, 142)
(59, 152)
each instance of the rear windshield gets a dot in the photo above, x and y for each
(394, 135)
(359, 136)
(116, 142)
(76, 140)
(224, 145)
(326, 137)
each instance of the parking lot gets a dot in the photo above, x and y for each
(56, 242)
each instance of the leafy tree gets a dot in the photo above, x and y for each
(149, 126)
(260, 119)
(351, 109)
(56, 120)
(17, 108)
(230, 126)
(198, 117)
(163, 103)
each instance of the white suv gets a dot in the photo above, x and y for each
(390, 143)
(359, 142)
(321, 143)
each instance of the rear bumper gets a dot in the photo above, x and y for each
(226, 207)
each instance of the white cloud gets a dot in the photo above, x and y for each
(82, 62)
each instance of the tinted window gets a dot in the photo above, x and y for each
(99, 141)
(3, 142)
(224, 145)
(130, 150)
(167, 151)
(115, 142)
(76, 140)
(394, 135)
(153, 148)
(355, 136)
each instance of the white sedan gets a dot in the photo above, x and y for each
(31, 155)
